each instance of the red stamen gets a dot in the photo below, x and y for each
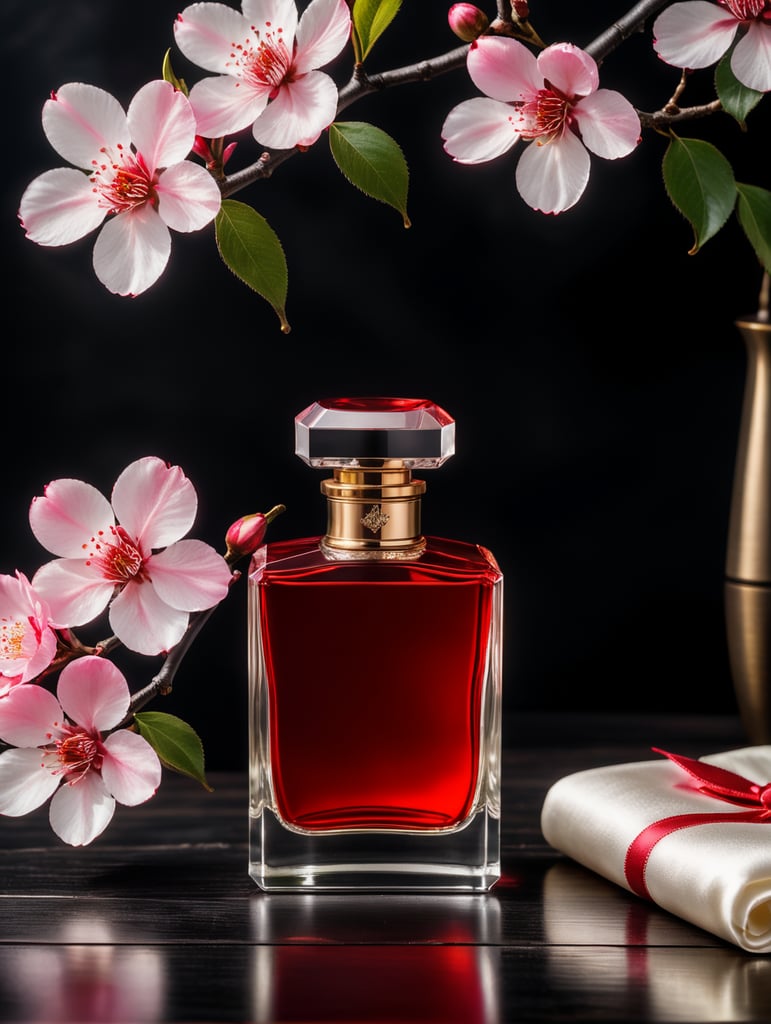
(545, 116)
(73, 755)
(118, 559)
(745, 10)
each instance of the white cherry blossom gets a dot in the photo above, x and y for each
(267, 67)
(554, 102)
(137, 180)
(127, 555)
(58, 749)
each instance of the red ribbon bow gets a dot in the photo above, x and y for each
(713, 781)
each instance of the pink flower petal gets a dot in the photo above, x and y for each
(131, 770)
(59, 207)
(145, 623)
(751, 59)
(189, 575)
(75, 592)
(226, 105)
(131, 251)
(503, 69)
(82, 810)
(24, 783)
(552, 177)
(205, 33)
(155, 502)
(42, 656)
(568, 69)
(277, 15)
(93, 693)
(693, 34)
(324, 29)
(7, 683)
(68, 515)
(82, 120)
(188, 197)
(608, 123)
(162, 124)
(299, 114)
(478, 130)
(16, 593)
(29, 716)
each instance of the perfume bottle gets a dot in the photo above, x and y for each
(374, 673)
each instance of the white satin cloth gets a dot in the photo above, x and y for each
(717, 876)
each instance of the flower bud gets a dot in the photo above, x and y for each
(520, 9)
(467, 21)
(203, 148)
(247, 533)
(228, 152)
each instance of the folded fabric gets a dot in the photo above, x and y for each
(692, 836)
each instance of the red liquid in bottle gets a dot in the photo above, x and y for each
(375, 674)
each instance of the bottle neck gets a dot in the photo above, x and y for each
(373, 512)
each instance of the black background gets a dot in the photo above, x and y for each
(591, 363)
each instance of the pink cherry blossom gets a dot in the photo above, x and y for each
(111, 555)
(27, 641)
(554, 101)
(58, 748)
(136, 176)
(267, 67)
(697, 33)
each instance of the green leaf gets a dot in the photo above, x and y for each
(251, 249)
(169, 76)
(700, 182)
(754, 213)
(370, 20)
(372, 161)
(736, 98)
(175, 742)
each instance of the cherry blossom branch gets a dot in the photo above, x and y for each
(672, 112)
(69, 647)
(243, 538)
(617, 33)
(670, 115)
(363, 84)
(162, 681)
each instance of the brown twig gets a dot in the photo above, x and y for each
(659, 120)
(633, 21)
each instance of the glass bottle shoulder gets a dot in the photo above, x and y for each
(442, 558)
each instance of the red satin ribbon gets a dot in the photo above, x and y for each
(712, 781)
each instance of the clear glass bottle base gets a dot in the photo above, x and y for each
(464, 860)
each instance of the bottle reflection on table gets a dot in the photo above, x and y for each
(376, 960)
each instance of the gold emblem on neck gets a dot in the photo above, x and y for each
(374, 520)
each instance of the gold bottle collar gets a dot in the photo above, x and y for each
(373, 511)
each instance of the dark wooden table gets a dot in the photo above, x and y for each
(158, 920)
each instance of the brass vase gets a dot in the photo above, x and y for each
(748, 556)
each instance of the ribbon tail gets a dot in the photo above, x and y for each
(642, 846)
(719, 781)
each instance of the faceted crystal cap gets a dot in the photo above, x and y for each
(340, 432)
